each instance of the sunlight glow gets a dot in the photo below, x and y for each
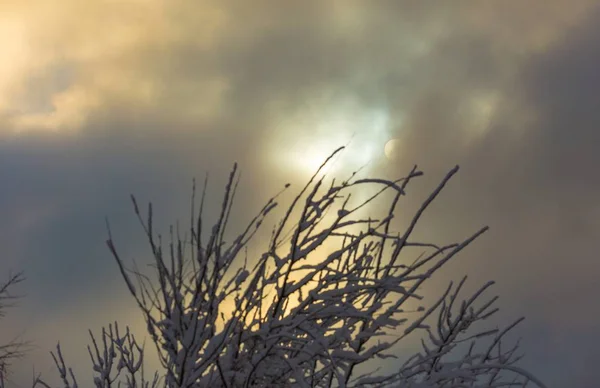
(481, 110)
(364, 132)
(392, 149)
(15, 55)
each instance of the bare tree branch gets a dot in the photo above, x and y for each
(301, 316)
(15, 348)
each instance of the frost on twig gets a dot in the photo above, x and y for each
(15, 348)
(301, 316)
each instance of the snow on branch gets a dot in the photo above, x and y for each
(301, 316)
(15, 348)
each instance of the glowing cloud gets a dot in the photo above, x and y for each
(318, 132)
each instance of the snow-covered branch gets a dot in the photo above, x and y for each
(304, 316)
(15, 348)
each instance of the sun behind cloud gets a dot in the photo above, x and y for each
(322, 128)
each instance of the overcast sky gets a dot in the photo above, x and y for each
(101, 99)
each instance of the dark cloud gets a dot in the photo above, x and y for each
(533, 178)
(506, 91)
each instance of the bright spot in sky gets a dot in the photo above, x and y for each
(392, 149)
(481, 110)
(14, 54)
(306, 141)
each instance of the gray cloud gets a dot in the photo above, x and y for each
(504, 90)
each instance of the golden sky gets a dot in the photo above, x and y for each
(100, 99)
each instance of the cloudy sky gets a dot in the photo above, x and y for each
(100, 99)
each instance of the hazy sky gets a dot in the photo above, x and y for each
(100, 99)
